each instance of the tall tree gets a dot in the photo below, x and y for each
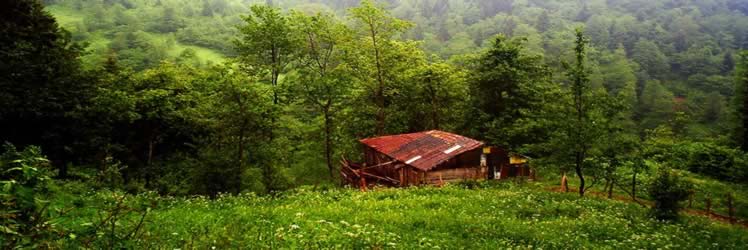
(648, 55)
(377, 28)
(506, 88)
(438, 93)
(267, 44)
(241, 114)
(40, 81)
(146, 117)
(582, 132)
(656, 105)
(324, 80)
(618, 73)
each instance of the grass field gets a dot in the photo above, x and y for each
(703, 188)
(484, 216)
(65, 17)
(204, 54)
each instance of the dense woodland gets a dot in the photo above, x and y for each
(184, 97)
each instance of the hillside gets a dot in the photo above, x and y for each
(684, 51)
(498, 215)
(99, 43)
(231, 124)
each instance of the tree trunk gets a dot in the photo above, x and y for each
(434, 105)
(148, 163)
(328, 141)
(633, 186)
(275, 71)
(379, 95)
(578, 168)
(241, 146)
(240, 166)
(274, 82)
(62, 171)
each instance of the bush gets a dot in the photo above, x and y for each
(23, 187)
(717, 161)
(667, 190)
(706, 158)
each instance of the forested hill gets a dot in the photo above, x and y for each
(677, 53)
(116, 126)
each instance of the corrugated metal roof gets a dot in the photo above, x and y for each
(422, 150)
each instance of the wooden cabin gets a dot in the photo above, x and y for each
(429, 157)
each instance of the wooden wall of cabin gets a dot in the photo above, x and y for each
(410, 176)
(455, 174)
(465, 166)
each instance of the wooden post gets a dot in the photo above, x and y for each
(708, 205)
(402, 177)
(731, 207)
(564, 183)
(363, 184)
(532, 174)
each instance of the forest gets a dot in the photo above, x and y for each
(118, 116)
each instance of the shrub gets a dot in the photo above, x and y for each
(110, 176)
(706, 158)
(667, 190)
(23, 187)
(717, 161)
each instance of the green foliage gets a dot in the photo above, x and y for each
(24, 179)
(119, 222)
(741, 101)
(648, 55)
(508, 87)
(435, 97)
(240, 113)
(378, 59)
(324, 79)
(656, 105)
(111, 176)
(706, 158)
(490, 215)
(41, 80)
(579, 130)
(668, 190)
(266, 45)
(186, 126)
(138, 50)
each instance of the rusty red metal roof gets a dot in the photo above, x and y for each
(422, 150)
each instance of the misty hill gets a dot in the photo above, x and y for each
(682, 49)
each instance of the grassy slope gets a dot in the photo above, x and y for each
(204, 54)
(704, 187)
(68, 18)
(503, 215)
